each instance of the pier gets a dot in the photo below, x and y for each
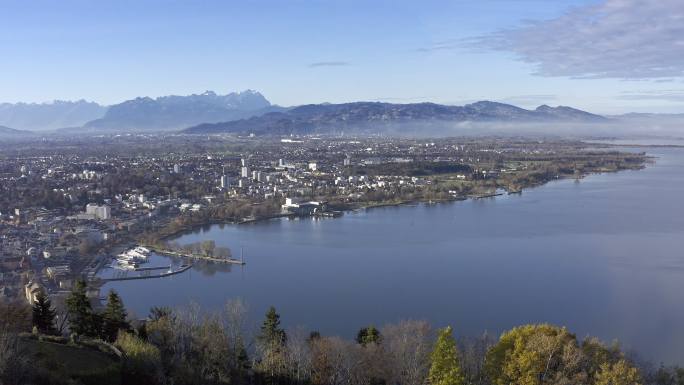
(169, 273)
(151, 268)
(488, 195)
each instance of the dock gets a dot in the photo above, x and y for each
(488, 195)
(151, 268)
(149, 276)
(328, 214)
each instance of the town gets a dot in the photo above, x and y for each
(68, 206)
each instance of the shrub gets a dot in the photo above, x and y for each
(141, 361)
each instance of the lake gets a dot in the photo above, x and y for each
(603, 256)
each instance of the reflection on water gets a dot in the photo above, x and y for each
(602, 257)
(159, 264)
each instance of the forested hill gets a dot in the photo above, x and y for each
(375, 117)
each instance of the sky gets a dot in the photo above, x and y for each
(604, 56)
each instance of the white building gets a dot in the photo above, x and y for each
(31, 291)
(301, 207)
(244, 172)
(103, 212)
(225, 181)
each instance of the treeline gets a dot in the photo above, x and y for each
(229, 212)
(420, 168)
(190, 346)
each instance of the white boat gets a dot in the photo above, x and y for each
(124, 264)
(133, 254)
(130, 259)
(136, 255)
(142, 250)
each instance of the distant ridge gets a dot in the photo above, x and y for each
(49, 116)
(174, 112)
(375, 117)
(6, 131)
(250, 112)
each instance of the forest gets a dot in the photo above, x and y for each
(190, 345)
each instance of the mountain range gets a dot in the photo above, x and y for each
(250, 112)
(376, 117)
(176, 112)
(143, 113)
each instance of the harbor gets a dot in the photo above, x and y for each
(131, 259)
(148, 262)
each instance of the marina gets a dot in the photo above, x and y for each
(131, 259)
(133, 264)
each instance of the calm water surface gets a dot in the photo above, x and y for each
(603, 257)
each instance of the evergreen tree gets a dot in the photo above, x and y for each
(114, 317)
(271, 333)
(271, 347)
(313, 337)
(82, 319)
(368, 335)
(44, 315)
(242, 361)
(445, 368)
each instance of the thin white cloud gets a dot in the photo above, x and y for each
(623, 39)
(529, 99)
(446, 45)
(329, 64)
(673, 95)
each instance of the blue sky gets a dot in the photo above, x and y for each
(588, 54)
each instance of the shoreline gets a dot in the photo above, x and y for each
(370, 206)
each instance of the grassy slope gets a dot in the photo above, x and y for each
(64, 361)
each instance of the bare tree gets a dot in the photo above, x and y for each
(474, 351)
(407, 346)
(335, 361)
(235, 311)
(15, 316)
(299, 355)
(14, 363)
